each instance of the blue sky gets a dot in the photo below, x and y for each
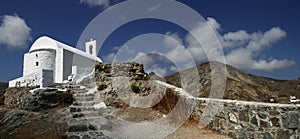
(65, 20)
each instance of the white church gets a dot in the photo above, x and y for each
(50, 62)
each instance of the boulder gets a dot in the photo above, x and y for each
(42, 99)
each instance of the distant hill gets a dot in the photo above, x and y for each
(242, 86)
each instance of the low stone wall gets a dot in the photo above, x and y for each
(128, 69)
(242, 119)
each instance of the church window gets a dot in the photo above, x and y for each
(36, 55)
(91, 49)
(36, 63)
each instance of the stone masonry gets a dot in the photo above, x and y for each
(128, 69)
(242, 119)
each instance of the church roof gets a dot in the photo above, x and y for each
(46, 42)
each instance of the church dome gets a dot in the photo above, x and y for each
(43, 42)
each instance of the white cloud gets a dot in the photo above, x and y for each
(144, 59)
(161, 71)
(260, 40)
(172, 39)
(95, 3)
(177, 53)
(240, 35)
(243, 49)
(246, 57)
(235, 39)
(240, 58)
(108, 58)
(273, 64)
(121, 53)
(213, 23)
(173, 69)
(14, 32)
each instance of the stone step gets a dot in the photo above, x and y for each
(74, 109)
(78, 128)
(87, 135)
(84, 98)
(88, 120)
(84, 103)
(91, 125)
(83, 94)
(82, 108)
(79, 91)
(81, 127)
(95, 120)
(85, 115)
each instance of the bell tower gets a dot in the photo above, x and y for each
(91, 47)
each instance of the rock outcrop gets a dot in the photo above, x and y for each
(135, 71)
(14, 95)
(43, 99)
(3, 87)
(37, 113)
(122, 84)
(17, 123)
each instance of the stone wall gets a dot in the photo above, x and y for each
(128, 69)
(242, 119)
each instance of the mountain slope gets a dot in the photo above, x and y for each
(242, 86)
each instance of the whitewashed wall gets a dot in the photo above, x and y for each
(45, 59)
(81, 72)
(58, 72)
(40, 78)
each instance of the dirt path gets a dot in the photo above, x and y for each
(192, 131)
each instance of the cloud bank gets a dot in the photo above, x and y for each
(242, 50)
(14, 32)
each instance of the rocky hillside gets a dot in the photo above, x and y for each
(3, 87)
(99, 104)
(242, 86)
(40, 113)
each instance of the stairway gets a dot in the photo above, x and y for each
(80, 125)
